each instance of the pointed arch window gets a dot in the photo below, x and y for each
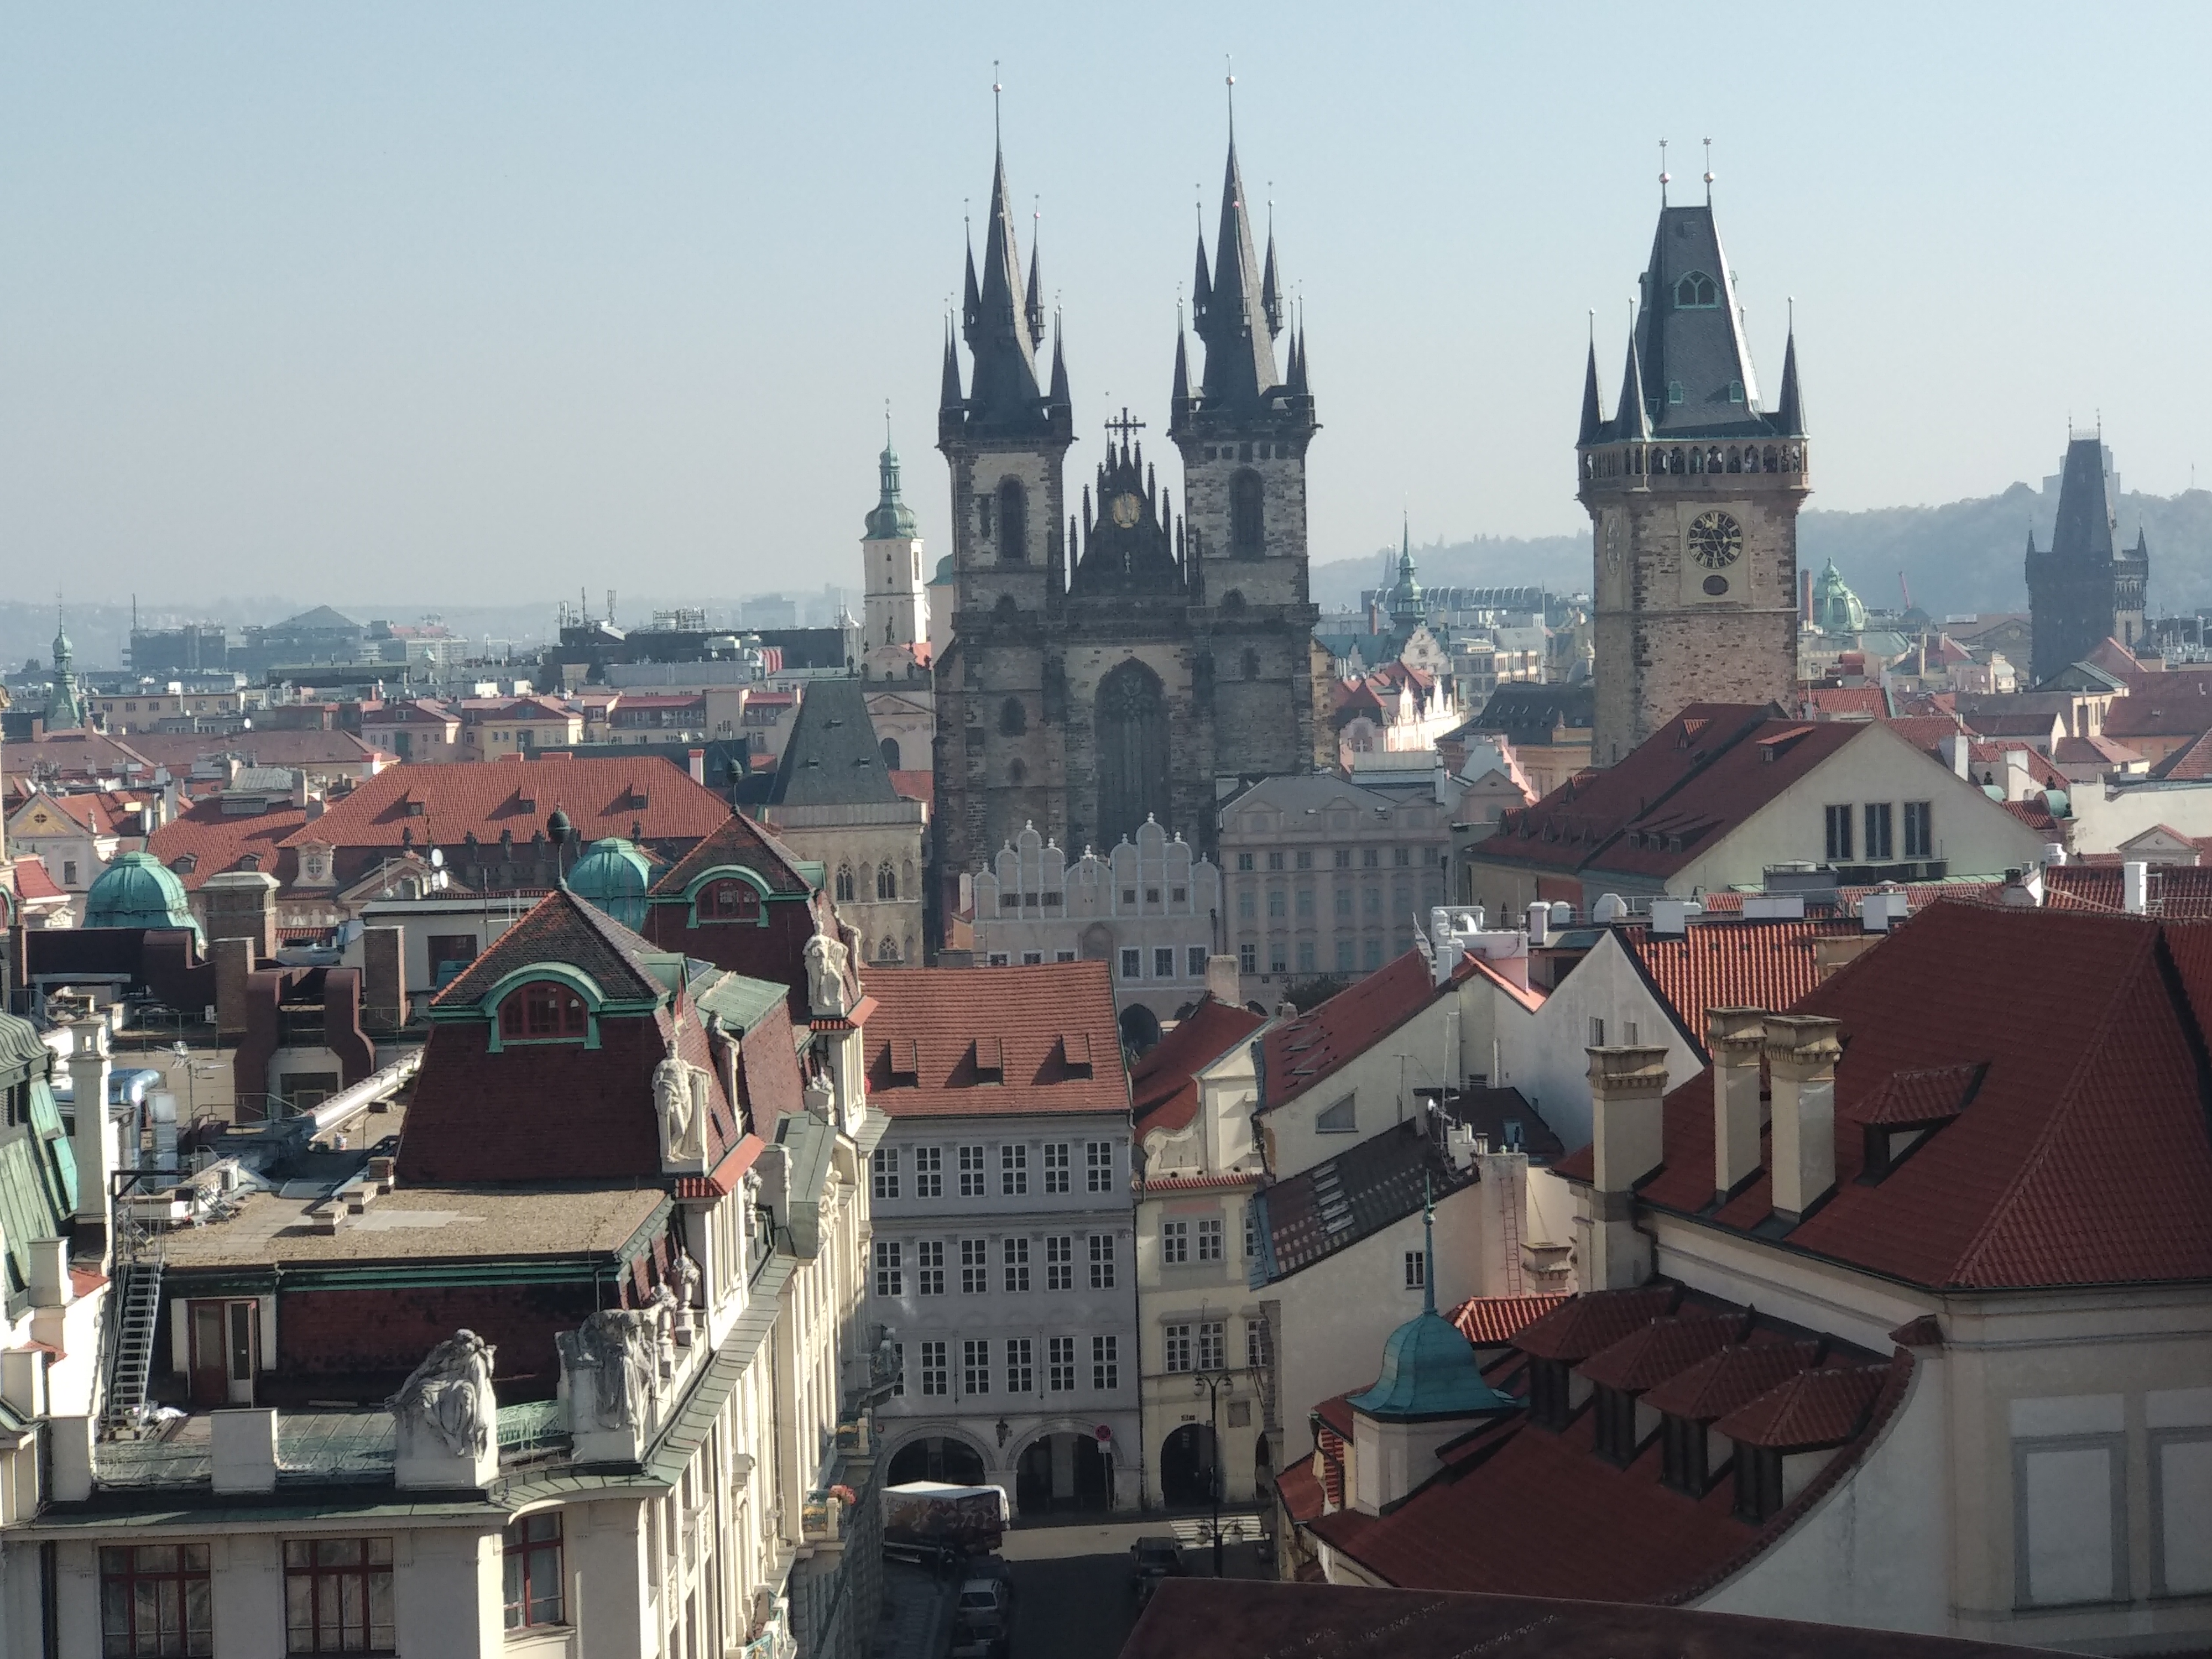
(1247, 515)
(1013, 523)
(845, 884)
(1696, 292)
(1013, 719)
(886, 884)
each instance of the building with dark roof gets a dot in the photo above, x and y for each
(2084, 588)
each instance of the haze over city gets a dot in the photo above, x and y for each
(415, 304)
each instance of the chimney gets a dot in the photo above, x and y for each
(1959, 754)
(1670, 917)
(1539, 923)
(2054, 853)
(1801, 1051)
(300, 790)
(384, 980)
(1627, 1086)
(48, 1272)
(242, 1443)
(94, 1142)
(1735, 1037)
(2135, 888)
(2018, 785)
(1879, 912)
(695, 763)
(1221, 979)
(242, 904)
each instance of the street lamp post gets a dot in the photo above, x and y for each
(1211, 1383)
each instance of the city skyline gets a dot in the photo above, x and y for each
(398, 306)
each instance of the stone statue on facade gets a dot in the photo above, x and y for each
(450, 1395)
(826, 991)
(680, 1096)
(617, 1347)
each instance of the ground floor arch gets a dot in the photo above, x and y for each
(946, 1458)
(1190, 1467)
(1062, 1470)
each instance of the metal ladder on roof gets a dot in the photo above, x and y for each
(137, 1304)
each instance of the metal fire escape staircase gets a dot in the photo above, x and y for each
(136, 1306)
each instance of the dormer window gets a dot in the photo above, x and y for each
(1735, 391)
(1673, 391)
(1682, 1453)
(1696, 292)
(543, 1011)
(1549, 1395)
(730, 900)
(1616, 1425)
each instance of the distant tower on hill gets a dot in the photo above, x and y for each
(1692, 487)
(2084, 589)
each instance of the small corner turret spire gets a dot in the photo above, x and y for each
(1789, 412)
(1665, 177)
(1036, 306)
(1593, 409)
(1709, 173)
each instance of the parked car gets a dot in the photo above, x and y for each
(984, 1597)
(1151, 1559)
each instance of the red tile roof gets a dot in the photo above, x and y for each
(1650, 1354)
(2176, 892)
(2192, 760)
(937, 1023)
(1299, 1053)
(2083, 1158)
(215, 841)
(1844, 702)
(1163, 1088)
(2177, 704)
(1487, 1321)
(1759, 963)
(1931, 1095)
(100, 811)
(1730, 1377)
(32, 881)
(311, 750)
(2089, 751)
(1584, 1325)
(1301, 1491)
(1813, 1409)
(736, 839)
(915, 783)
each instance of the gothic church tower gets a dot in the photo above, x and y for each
(2086, 588)
(1693, 489)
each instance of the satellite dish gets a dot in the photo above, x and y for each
(437, 858)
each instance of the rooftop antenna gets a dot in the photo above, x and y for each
(1428, 1244)
(1709, 173)
(1664, 176)
(997, 141)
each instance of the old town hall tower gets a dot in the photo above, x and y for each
(1115, 664)
(1693, 489)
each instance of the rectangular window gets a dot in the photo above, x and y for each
(1247, 957)
(1343, 858)
(1163, 962)
(1682, 1454)
(1877, 832)
(1614, 1424)
(1243, 860)
(1132, 964)
(156, 1601)
(929, 1268)
(1015, 1257)
(1251, 1234)
(531, 1550)
(1175, 1242)
(933, 1368)
(1278, 905)
(1919, 829)
(1343, 901)
(1371, 952)
(928, 1172)
(974, 1266)
(1305, 956)
(1374, 901)
(1098, 1166)
(1416, 1269)
(971, 1172)
(890, 1277)
(1278, 960)
(1371, 858)
(1196, 959)
(1055, 1166)
(886, 1172)
(1402, 857)
(1245, 910)
(1274, 860)
(1060, 1263)
(1259, 1345)
(1213, 1345)
(1344, 948)
(1209, 1239)
(1102, 1261)
(1178, 1349)
(1021, 1370)
(337, 1596)
(975, 1365)
(1060, 1354)
(1305, 903)
(1105, 1361)
(1014, 1170)
(1305, 860)
(1840, 835)
(2070, 1533)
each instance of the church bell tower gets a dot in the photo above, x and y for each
(1692, 487)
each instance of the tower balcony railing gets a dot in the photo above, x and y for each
(1650, 461)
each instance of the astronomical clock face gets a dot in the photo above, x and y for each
(1126, 509)
(1716, 540)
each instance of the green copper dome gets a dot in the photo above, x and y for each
(614, 875)
(1429, 1367)
(1405, 603)
(137, 890)
(892, 519)
(1836, 608)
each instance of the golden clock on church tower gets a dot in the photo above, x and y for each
(1126, 509)
(1716, 540)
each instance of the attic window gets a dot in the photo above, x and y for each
(1696, 292)
(1337, 1120)
(990, 1059)
(638, 797)
(1549, 1395)
(1075, 1050)
(1674, 396)
(1757, 1482)
(1735, 391)
(1616, 1425)
(184, 863)
(251, 861)
(730, 900)
(543, 1011)
(905, 1059)
(1682, 1454)
(417, 807)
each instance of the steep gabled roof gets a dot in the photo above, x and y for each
(1757, 963)
(564, 929)
(972, 1042)
(831, 758)
(1164, 1084)
(739, 840)
(1320, 1211)
(1300, 1054)
(215, 840)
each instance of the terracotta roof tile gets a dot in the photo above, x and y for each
(1163, 1090)
(1730, 1377)
(1759, 964)
(944, 1012)
(564, 929)
(1299, 1053)
(1301, 1491)
(216, 840)
(1813, 1409)
(33, 882)
(1363, 1189)
(1649, 1355)
(1588, 1324)
(1486, 1321)
(2175, 704)
(736, 839)
(311, 749)
(1929, 1095)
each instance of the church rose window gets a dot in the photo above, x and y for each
(730, 900)
(1246, 520)
(543, 1010)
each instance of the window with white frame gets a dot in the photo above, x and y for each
(1059, 1375)
(974, 1266)
(971, 1172)
(1013, 1171)
(1175, 1242)
(975, 1365)
(886, 1165)
(1105, 1361)
(1021, 1373)
(1055, 1166)
(1098, 1165)
(1014, 1255)
(1259, 1345)
(891, 1280)
(1212, 1344)
(1060, 1263)
(933, 1368)
(1416, 1270)
(1178, 1348)
(929, 1268)
(929, 1172)
(1209, 1239)
(1102, 1261)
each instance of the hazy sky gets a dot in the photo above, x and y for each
(386, 303)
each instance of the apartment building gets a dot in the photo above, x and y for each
(1003, 1271)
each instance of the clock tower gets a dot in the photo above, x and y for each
(1693, 486)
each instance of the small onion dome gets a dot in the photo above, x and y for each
(1430, 1370)
(614, 875)
(137, 890)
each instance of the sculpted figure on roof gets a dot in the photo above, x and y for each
(618, 1347)
(450, 1395)
(827, 988)
(680, 1093)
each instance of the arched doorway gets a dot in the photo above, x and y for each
(1140, 1028)
(955, 1463)
(1061, 1472)
(1132, 752)
(1186, 1465)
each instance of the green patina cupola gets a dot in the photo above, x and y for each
(1405, 603)
(614, 875)
(892, 519)
(137, 890)
(1429, 1367)
(1836, 608)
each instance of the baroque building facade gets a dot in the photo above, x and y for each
(1108, 666)
(1693, 490)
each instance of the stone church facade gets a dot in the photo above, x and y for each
(1113, 660)
(1692, 489)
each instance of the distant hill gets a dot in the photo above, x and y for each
(1962, 557)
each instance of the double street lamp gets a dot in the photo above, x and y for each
(1212, 1385)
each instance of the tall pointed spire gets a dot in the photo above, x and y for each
(1232, 310)
(1003, 328)
(1201, 284)
(949, 395)
(1428, 1247)
(1271, 292)
(1632, 417)
(1181, 390)
(1593, 411)
(1058, 399)
(1036, 306)
(1790, 413)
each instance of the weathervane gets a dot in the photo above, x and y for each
(1709, 173)
(1664, 176)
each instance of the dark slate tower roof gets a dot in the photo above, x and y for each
(1689, 371)
(2087, 520)
(1237, 314)
(1003, 330)
(831, 758)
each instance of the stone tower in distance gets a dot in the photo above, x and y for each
(2086, 588)
(1693, 489)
